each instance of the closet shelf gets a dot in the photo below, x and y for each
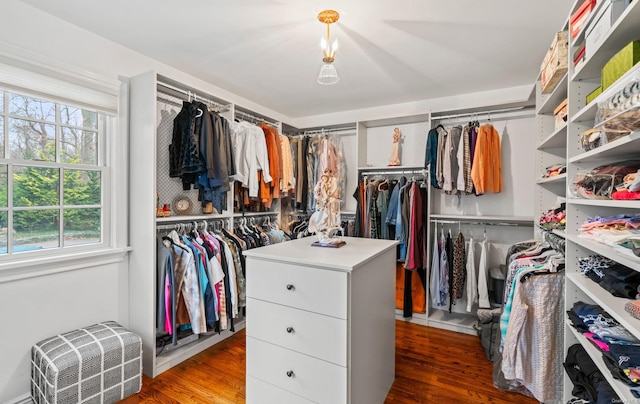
(254, 214)
(556, 180)
(558, 139)
(588, 112)
(399, 169)
(619, 387)
(606, 203)
(460, 322)
(628, 260)
(560, 233)
(627, 146)
(611, 304)
(580, 37)
(166, 361)
(190, 218)
(552, 100)
(522, 220)
(623, 31)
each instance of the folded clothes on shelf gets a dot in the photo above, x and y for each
(554, 170)
(554, 219)
(621, 232)
(617, 279)
(620, 348)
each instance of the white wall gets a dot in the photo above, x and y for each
(37, 308)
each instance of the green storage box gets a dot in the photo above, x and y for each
(592, 95)
(620, 63)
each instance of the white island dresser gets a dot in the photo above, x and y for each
(321, 322)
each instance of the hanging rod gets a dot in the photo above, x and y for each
(486, 112)
(255, 214)
(254, 118)
(187, 222)
(190, 93)
(350, 130)
(161, 96)
(417, 170)
(481, 223)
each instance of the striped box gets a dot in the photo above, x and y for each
(97, 364)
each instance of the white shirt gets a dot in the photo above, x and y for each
(250, 154)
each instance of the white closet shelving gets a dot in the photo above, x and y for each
(501, 218)
(551, 147)
(563, 145)
(150, 163)
(374, 141)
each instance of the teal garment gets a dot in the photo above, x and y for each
(506, 312)
(431, 156)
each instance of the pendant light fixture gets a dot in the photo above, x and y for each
(328, 73)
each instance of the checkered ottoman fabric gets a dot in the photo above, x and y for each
(97, 364)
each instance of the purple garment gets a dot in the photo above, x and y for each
(167, 299)
(473, 137)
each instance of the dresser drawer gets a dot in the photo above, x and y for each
(311, 378)
(259, 392)
(318, 290)
(313, 334)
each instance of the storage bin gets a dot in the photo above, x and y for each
(560, 114)
(97, 364)
(555, 62)
(496, 285)
(601, 24)
(620, 63)
(592, 95)
(580, 16)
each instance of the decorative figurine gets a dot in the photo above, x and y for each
(395, 149)
(325, 221)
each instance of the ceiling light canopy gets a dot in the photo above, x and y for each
(328, 73)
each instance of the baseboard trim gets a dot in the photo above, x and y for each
(26, 399)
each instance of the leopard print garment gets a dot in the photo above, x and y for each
(459, 273)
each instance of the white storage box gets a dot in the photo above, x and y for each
(601, 24)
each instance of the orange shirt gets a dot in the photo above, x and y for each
(486, 171)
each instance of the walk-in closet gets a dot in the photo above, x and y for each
(439, 204)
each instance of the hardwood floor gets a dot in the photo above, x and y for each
(432, 366)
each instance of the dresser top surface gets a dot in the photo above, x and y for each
(354, 253)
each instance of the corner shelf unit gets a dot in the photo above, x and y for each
(551, 150)
(578, 83)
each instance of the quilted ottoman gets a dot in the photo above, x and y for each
(97, 364)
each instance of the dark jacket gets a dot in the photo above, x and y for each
(185, 159)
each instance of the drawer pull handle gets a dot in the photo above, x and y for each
(290, 330)
(290, 287)
(289, 373)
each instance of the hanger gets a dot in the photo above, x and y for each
(385, 181)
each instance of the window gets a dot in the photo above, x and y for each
(51, 174)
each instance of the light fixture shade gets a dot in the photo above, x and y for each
(328, 74)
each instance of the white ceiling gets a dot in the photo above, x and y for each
(390, 52)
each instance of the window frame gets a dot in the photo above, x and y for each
(107, 97)
(57, 164)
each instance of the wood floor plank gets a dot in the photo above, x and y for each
(432, 366)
